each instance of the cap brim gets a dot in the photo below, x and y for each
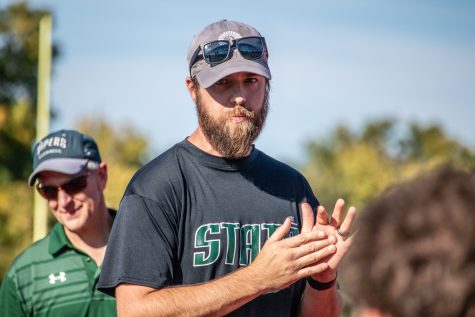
(211, 74)
(68, 166)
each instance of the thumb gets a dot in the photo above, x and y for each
(281, 232)
(308, 218)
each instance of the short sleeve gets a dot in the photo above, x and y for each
(142, 246)
(311, 198)
(9, 301)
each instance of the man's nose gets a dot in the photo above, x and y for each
(239, 100)
(64, 198)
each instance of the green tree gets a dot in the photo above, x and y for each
(18, 73)
(18, 79)
(358, 166)
(122, 148)
(431, 143)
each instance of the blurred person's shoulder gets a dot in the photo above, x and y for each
(37, 254)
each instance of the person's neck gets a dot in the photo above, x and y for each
(92, 240)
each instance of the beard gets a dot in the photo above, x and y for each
(232, 140)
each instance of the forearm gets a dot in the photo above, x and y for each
(320, 303)
(215, 298)
(280, 263)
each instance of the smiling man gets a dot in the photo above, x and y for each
(214, 226)
(57, 275)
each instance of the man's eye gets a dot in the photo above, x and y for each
(222, 82)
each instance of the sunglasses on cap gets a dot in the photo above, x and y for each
(219, 51)
(71, 187)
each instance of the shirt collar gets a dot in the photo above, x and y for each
(58, 240)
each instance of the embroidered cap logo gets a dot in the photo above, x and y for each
(229, 35)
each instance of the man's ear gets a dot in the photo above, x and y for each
(191, 88)
(102, 175)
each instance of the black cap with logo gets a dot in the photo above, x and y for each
(64, 151)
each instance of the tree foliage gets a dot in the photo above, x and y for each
(122, 148)
(16, 219)
(18, 72)
(359, 165)
(18, 81)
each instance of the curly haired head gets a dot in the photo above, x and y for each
(414, 253)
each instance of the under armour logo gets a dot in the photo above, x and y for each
(61, 277)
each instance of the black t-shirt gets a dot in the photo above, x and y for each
(188, 217)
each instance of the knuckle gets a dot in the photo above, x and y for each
(322, 254)
(302, 238)
(288, 257)
(311, 258)
(319, 245)
(320, 268)
(310, 248)
(310, 271)
(291, 267)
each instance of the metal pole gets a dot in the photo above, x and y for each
(40, 219)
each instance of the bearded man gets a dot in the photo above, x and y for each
(214, 226)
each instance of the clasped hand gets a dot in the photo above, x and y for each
(316, 251)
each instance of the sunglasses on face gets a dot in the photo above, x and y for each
(71, 187)
(216, 52)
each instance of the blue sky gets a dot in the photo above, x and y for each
(332, 62)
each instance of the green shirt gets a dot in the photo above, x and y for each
(52, 278)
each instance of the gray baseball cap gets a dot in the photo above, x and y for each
(207, 74)
(64, 151)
